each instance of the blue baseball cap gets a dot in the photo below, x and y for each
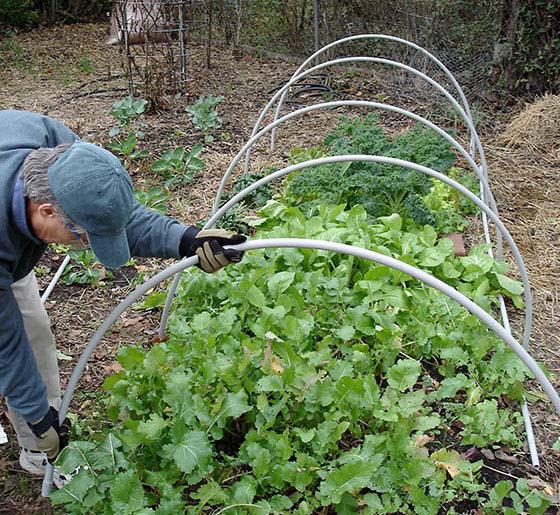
(95, 191)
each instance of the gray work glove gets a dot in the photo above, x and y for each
(52, 437)
(208, 246)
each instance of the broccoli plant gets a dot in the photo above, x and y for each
(127, 147)
(85, 269)
(126, 134)
(126, 111)
(153, 198)
(178, 165)
(204, 115)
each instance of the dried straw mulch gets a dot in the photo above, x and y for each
(536, 131)
(524, 169)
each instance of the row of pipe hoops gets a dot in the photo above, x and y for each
(485, 201)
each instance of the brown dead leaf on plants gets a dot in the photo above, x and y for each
(423, 440)
(276, 366)
(448, 460)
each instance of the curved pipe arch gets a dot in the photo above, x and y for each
(430, 280)
(500, 227)
(246, 149)
(356, 103)
(338, 42)
(468, 122)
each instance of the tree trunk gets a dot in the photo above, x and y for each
(504, 47)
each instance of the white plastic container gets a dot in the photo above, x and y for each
(3, 436)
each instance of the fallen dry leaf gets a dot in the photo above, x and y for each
(423, 440)
(448, 460)
(276, 366)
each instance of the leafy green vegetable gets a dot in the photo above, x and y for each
(178, 166)
(381, 189)
(300, 380)
(127, 110)
(204, 115)
(85, 269)
(259, 197)
(450, 207)
(153, 198)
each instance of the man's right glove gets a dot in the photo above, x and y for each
(208, 244)
(52, 437)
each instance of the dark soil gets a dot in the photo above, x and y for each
(44, 71)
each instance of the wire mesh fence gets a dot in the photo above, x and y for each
(461, 32)
(157, 34)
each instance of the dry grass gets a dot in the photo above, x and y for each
(536, 131)
(524, 164)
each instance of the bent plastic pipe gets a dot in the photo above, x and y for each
(338, 42)
(414, 71)
(289, 116)
(430, 56)
(375, 257)
(531, 444)
(535, 461)
(487, 195)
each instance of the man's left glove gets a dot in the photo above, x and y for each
(52, 437)
(208, 246)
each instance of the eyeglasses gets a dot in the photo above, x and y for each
(81, 243)
(78, 233)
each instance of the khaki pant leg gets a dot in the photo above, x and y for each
(37, 328)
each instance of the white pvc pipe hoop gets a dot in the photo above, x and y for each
(457, 107)
(455, 104)
(355, 103)
(486, 192)
(338, 42)
(55, 279)
(375, 257)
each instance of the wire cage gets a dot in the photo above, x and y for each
(153, 35)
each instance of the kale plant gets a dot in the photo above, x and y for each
(381, 189)
(257, 198)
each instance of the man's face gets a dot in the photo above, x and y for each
(48, 226)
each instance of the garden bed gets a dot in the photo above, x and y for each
(64, 87)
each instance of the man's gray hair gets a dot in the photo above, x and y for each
(36, 185)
